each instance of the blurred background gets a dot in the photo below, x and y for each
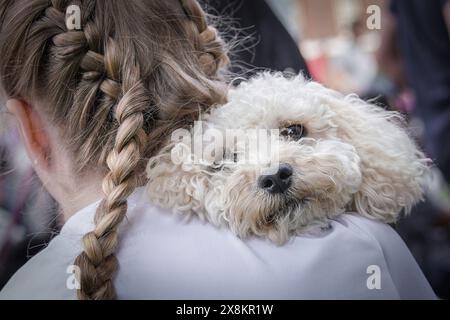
(395, 52)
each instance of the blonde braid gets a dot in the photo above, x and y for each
(128, 97)
(123, 161)
(97, 262)
(211, 47)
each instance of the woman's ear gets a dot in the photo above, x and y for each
(393, 168)
(32, 130)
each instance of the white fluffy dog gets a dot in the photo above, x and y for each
(334, 154)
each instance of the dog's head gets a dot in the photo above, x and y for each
(330, 154)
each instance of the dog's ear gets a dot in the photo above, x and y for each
(175, 182)
(394, 170)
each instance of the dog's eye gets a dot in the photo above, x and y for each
(294, 132)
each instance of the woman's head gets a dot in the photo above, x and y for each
(109, 92)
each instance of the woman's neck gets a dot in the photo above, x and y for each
(75, 193)
(83, 197)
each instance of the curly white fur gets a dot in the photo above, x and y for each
(356, 157)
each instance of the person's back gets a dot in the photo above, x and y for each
(163, 256)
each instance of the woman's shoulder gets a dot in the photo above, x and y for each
(173, 257)
(404, 272)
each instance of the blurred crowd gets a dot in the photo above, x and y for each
(404, 65)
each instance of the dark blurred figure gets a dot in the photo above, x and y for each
(271, 46)
(415, 53)
(28, 215)
(427, 235)
(420, 29)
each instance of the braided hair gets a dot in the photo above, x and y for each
(115, 88)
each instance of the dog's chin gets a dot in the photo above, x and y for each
(278, 219)
(285, 216)
(292, 221)
(285, 207)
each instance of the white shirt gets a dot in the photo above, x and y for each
(162, 256)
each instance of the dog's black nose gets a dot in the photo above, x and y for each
(278, 182)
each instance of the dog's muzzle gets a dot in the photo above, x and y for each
(278, 182)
